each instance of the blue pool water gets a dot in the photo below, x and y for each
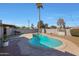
(39, 40)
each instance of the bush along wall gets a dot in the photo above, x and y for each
(74, 32)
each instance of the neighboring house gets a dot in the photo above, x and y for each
(6, 29)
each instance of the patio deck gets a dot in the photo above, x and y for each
(73, 39)
(19, 46)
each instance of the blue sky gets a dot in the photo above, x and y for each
(19, 14)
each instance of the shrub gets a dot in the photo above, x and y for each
(54, 27)
(5, 38)
(74, 32)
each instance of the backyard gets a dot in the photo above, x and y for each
(44, 32)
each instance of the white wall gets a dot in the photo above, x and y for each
(61, 33)
(10, 30)
(25, 30)
(52, 31)
(57, 32)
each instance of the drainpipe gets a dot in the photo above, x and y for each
(1, 33)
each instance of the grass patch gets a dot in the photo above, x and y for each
(74, 32)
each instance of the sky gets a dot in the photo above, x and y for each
(19, 13)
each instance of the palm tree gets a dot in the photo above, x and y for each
(32, 26)
(39, 5)
(40, 25)
(61, 24)
(45, 26)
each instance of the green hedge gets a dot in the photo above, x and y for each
(74, 32)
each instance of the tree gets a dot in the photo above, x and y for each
(61, 24)
(32, 26)
(39, 5)
(23, 27)
(46, 25)
(40, 25)
(53, 27)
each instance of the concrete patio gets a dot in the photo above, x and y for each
(19, 46)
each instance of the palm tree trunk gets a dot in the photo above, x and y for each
(39, 14)
(39, 20)
(65, 32)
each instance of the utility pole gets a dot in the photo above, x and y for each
(28, 23)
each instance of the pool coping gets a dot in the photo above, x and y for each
(61, 46)
(67, 46)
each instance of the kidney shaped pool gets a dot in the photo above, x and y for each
(40, 40)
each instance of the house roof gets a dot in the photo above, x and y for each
(7, 25)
